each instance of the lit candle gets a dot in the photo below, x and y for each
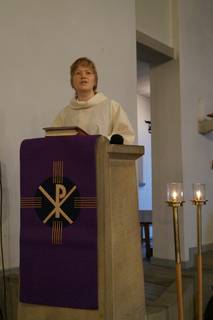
(174, 195)
(175, 192)
(199, 192)
(198, 195)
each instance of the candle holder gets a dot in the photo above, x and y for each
(175, 200)
(199, 199)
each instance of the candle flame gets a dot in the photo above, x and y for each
(198, 195)
(174, 195)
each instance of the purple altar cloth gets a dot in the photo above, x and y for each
(58, 247)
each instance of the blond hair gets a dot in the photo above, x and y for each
(83, 61)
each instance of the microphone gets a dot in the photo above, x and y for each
(116, 139)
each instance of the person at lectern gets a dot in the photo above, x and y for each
(91, 110)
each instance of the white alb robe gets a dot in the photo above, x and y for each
(98, 115)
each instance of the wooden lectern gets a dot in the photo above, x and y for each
(120, 268)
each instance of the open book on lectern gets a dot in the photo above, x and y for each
(64, 131)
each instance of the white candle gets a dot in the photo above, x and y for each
(174, 192)
(198, 195)
(174, 195)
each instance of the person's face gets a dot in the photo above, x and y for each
(83, 79)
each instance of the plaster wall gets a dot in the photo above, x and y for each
(166, 153)
(196, 77)
(39, 41)
(154, 18)
(183, 95)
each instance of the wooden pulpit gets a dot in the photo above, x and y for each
(120, 282)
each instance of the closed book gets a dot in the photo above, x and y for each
(63, 131)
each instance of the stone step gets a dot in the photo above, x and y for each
(165, 306)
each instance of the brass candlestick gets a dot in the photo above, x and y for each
(175, 200)
(199, 200)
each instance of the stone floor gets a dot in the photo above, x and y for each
(160, 289)
(160, 293)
